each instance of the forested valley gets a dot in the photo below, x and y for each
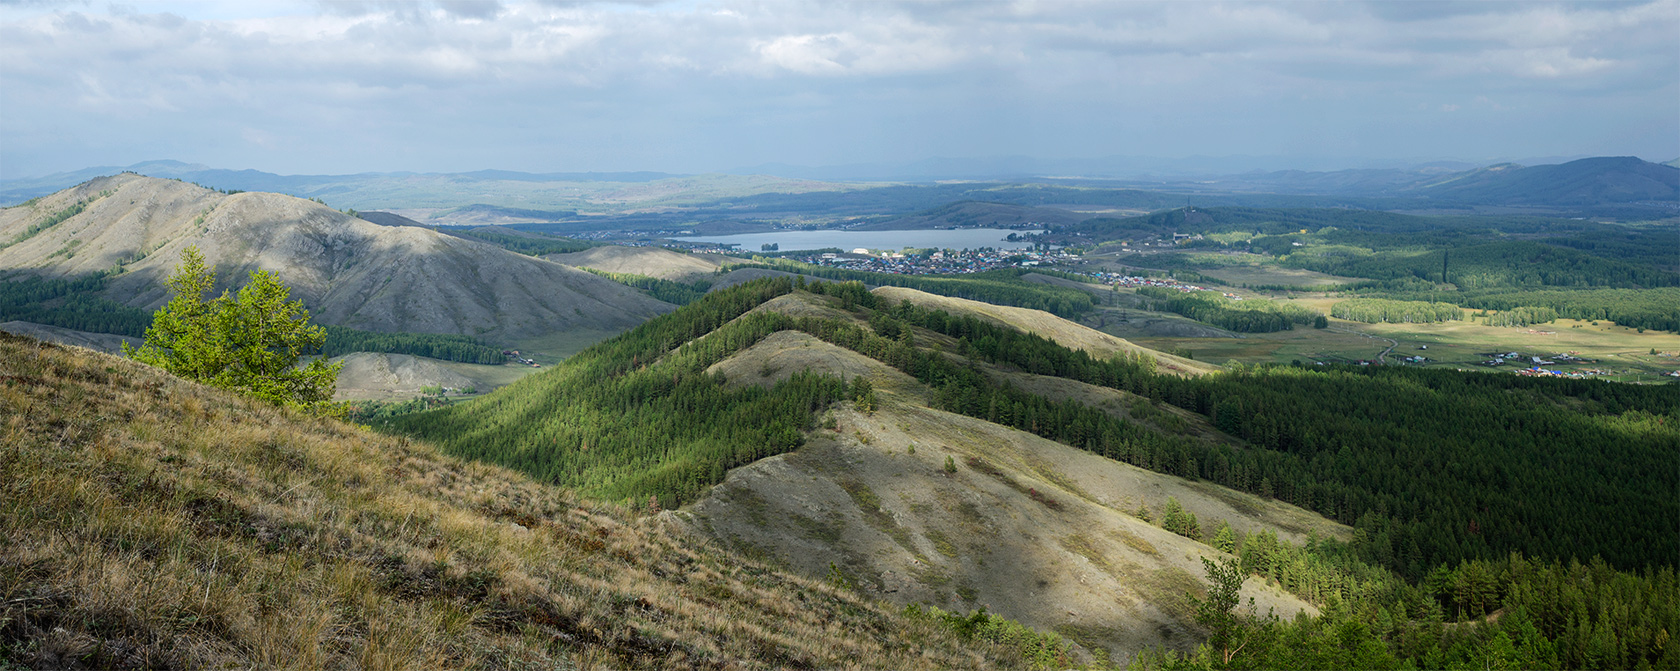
(1547, 503)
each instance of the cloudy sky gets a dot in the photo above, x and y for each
(687, 86)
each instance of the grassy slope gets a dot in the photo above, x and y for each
(144, 519)
(348, 271)
(894, 522)
(649, 261)
(1064, 332)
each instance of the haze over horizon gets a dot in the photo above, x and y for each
(296, 87)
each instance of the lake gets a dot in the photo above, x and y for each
(966, 238)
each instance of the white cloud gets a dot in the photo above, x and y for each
(954, 75)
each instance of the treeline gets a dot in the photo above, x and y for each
(524, 245)
(670, 291)
(1248, 316)
(1504, 264)
(75, 304)
(1657, 309)
(1376, 310)
(999, 287)
(71, 304)
(343, 340)
(1522, 316)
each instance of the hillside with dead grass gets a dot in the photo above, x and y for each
(348, 271)
(146, 521)
(650, 261)
(1031, 529)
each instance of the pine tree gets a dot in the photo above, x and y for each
(1225, 539)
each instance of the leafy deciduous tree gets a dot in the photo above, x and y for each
(248, 341)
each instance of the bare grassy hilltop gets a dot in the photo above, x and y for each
(650, 261)
(1026, 527)
(146, 521)
(348, 271)
(1064, 332)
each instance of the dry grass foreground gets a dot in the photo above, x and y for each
(146, 520)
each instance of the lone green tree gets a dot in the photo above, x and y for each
(1231, 631)
(249, 341)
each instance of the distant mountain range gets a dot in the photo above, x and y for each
(1577, 185)
(17, 190)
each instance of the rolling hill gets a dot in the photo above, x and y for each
(649, 261)
(1588, 181)
(1026, 527)
(723, 391)
(348, 271)
(1068, 334)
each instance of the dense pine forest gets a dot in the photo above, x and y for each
(1547, 502)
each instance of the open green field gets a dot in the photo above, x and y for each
(1263, 274)
(556, 347)
(1461, 344)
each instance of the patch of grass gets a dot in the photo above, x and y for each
(1135, 541)
(878, 518)
(986, 467)
(941, 543)
(1083, 546)
(828, 532)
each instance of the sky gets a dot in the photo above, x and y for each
(298, 87)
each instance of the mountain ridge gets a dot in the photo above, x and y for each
(349, 272)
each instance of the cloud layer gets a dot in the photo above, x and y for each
(692, 86)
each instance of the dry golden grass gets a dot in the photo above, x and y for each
(145, 520)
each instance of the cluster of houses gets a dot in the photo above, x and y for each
(514, 356)
(941, 262)
(1534, 366)
(1117, 279)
